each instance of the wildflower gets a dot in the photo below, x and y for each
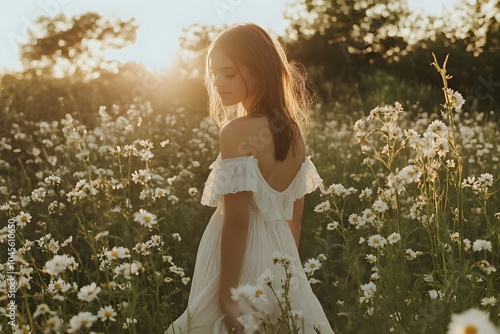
(42, 309)
(311, 266)
(141, 176)
(128, 322)
(143, 248)
(59, 286)
(486, 179)
(89, 292)
(118, 253)
(332, 226)
(255, 294)
(185, 280)
(442, 147)
(456, 98)
(366, 193)
(450, 163)
(436, 129)
(59, 263)
(281, 257)
(313, 280)
(471, 321)
(376, 241)
(145, 218)
(52, 180)
(38, 195)
(107, 313)
(410, 254)
(127, 269)
(24, 329)
(145, 193)
(68, 241)
(146, 155)
(156, 241)
(380, 206)
(356, 220)
(81, 320)
(486, 267)
(480, 245)
(173, 199)
(394, 238)
(369, 289)
(265, 278)
(322, 207)
(177, 270)
(176, 236)
(192, 191)
(455, 237)
(375, 276)
(53, 246)
(22, 219)
(160, 192)
(371, 258)
(489, 301)
(53, 324)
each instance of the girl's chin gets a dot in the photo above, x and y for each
(228, 103)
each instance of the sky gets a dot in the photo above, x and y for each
(160, 22)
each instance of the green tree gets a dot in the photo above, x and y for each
(62, 46)
(336, 32)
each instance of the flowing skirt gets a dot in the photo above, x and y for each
(203, 315)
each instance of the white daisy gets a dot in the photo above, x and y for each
(89, 292)
(107, 313)
(471, 321)
(81, 320)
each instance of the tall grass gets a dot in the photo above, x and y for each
(108, 219)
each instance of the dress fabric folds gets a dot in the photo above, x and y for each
(268, 233)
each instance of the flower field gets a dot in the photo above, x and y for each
(100, 224)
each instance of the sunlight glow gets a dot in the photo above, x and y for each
(160, 23)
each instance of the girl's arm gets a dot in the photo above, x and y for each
(233, 244)
(234, 230)
(295, 223)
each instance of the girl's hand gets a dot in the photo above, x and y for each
(231, 314)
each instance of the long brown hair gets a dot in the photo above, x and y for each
(282, 92)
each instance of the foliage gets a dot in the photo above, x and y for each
(420, 240)
(108, 216)
(74, 47)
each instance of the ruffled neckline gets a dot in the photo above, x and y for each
(256, 161)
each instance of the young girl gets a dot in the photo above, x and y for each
(257, 183)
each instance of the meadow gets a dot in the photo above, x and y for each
(403, 233)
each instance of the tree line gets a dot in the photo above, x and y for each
(359, 54)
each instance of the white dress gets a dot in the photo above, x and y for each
(268, 232)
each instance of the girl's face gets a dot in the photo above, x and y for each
(230, 83)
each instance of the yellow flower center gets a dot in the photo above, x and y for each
(51, 323)
(258, 292)
(147, 219)
(470, 329)
(114, 253)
